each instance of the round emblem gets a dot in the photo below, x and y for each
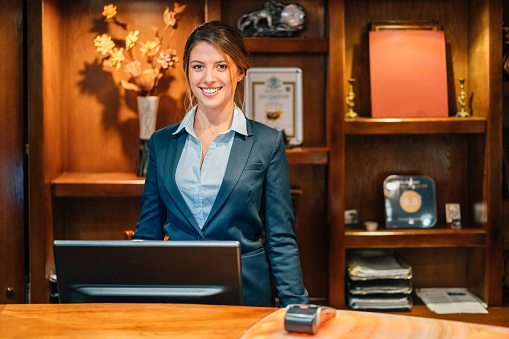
(410, 201)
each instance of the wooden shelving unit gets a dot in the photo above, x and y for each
(429, 238)
(473, 125)
(461, 155)
(84, 142)
(288, 45)
(113, 184)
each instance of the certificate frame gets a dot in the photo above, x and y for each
(274, 97)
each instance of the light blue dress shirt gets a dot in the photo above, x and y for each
(199, 186)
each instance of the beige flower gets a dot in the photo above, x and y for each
(104, 44)
(168, 58)
(133, 69)
(110, 11)
(129, 86)
(169, 16)
(147, 79)
(130, 40)
(150, 48)
(157, 61)
(178, 8)
(116, 57)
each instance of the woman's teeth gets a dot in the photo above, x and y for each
(210, 90)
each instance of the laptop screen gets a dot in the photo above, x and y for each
(149, 271)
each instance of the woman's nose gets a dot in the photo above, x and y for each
(210, 76)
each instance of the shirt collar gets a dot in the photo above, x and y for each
(239, 124)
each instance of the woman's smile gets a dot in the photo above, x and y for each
(210, 91)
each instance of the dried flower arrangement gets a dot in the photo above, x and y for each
(143, 80)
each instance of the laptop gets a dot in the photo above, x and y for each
(148, 271)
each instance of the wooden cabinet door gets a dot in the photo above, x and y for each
(12, 243)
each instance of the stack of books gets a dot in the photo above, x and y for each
(378, 280)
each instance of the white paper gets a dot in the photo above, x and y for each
(451, 300)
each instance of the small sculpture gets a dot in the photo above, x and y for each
(275, 18)
(350, 101)
(462, 100)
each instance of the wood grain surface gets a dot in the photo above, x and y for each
(358, 325)
(211, 321)
(127, 320)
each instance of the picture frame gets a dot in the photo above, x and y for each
(453, 215)
(402, 25)
(274, 97)
(409, 202)
(408, 69)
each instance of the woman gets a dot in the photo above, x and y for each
(220, 176)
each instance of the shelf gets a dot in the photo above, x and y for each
(287, 45)
(308, 156)
(410, 238)
(452, 125)
(109, 184)
(126, 184)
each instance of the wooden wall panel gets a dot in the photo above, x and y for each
(37, 201)
(312, 228)
(437, 267)
(92, 218)
(12, 196)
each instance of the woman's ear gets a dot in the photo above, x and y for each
(240, 74)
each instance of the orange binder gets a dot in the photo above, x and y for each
(408, 74)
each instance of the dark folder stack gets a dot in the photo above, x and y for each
(378, 280)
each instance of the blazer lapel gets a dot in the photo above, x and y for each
(172, 160)
(238, 157)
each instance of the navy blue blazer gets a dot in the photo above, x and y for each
(254, 196)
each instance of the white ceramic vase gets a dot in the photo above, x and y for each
(147, 110)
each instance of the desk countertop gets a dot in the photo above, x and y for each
(205, 321)
(127, 320)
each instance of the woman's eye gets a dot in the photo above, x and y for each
(197, 67)
(222, 67)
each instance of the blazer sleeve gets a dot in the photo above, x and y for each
(279, 229)
(153, 214)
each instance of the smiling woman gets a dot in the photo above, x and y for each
(220, 176)
(213, 80)
(228, 47)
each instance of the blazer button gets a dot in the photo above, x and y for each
(201, 237)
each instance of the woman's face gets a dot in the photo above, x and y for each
(209, 76)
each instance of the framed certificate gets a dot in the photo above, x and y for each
(274, 97)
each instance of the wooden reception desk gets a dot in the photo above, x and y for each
(202, 321)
